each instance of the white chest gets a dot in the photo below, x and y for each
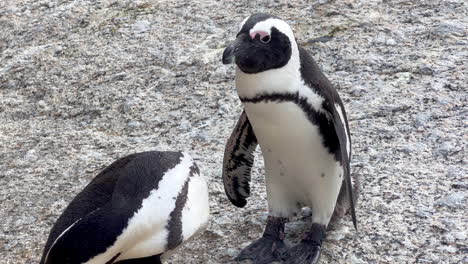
(292, 146)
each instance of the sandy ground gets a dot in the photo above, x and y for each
(83, 83)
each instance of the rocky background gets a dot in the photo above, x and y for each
(83, 83)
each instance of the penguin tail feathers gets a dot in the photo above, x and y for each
(356, 186)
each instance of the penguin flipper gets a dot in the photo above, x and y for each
(340, 130)
(87, 237)
(238, 161)
(95, 195)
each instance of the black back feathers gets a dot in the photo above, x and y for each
(99, 213)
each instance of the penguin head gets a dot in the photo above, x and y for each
(264, 42)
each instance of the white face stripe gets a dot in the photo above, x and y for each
(242, 23)
(279, 24)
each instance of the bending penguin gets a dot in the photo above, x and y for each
(133, 212)
(297, 117)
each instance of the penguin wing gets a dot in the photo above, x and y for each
(103, 210)
(341, 126)
(88, 237)
(317, 81)
(95, 195)
(238, 161)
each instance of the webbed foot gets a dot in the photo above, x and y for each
(270, 247)
(306, 252)
(263, 251)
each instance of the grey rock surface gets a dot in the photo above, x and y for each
(83, 83)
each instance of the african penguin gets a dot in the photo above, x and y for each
(297, 117)
(134, 211)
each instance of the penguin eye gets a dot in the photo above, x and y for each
(265, 39)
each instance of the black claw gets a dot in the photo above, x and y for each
(308, 251)
(263, 251)
(304, 253)
(270, 247)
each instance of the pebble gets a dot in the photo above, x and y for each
(31, 155)
(425, 70)
(408, 149)
(185, 125)
(10, 84)
(448, 239)
(405, 128)
(390, 42)
(134, 124)
(452, 200)
(358, 91)
(128, 105)
(216, 188)
(445, 148)
(461, 236)
(380, 38)
(232, 252)
(141, 26)
(224, 108)
(202, 136)
(355, 260)
(446, 30)
(454, 172)
(450, 249)
(436, 135)
(421, 119)
(422, 214)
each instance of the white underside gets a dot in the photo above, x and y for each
(299, 169)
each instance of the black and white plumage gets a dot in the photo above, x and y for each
(134, 211)
(297, 117)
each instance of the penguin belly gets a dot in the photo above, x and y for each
(193, 220)
(300, 170)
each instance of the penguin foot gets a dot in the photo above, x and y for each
(263, 251)
(306, 252)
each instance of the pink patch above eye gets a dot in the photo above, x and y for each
(261, 33)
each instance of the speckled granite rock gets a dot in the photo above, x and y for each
(83, 83)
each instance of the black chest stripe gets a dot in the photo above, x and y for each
(194, 170)
(174, 238)
(320, 119)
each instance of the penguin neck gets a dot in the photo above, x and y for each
(286, 79)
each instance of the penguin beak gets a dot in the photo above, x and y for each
(229, 54)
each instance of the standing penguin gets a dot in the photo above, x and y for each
(134, 211)
(298, 119)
